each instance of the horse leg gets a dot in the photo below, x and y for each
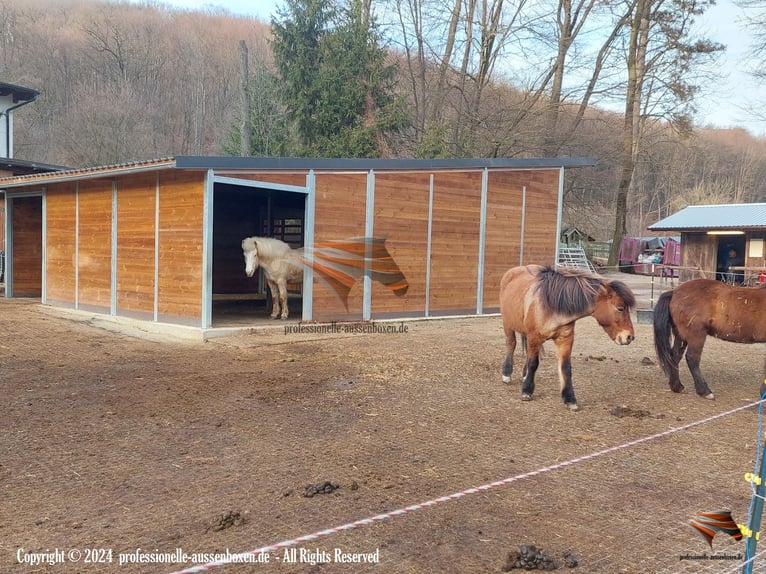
(530, 368)
(693, 357)
(274, 299)
(674, 379)
(510, 345)
(524, 348)
(283, 298)
(564, 344)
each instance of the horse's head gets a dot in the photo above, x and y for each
(250, 251)
(612, 311)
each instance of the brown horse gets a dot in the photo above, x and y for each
(696, 309)
(543, 303)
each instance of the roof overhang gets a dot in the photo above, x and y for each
(704, 218)
(18, 93)
(232, 162)
(67, 175)
(271, 163)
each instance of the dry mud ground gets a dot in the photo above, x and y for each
(121, 444)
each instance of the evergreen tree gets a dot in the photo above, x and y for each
(337, 88)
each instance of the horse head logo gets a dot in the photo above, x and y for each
(708, 524)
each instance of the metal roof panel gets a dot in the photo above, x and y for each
(722, 216)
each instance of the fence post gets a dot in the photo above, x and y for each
(756, 504)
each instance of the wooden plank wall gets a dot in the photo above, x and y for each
(2, 224)
(88, 263)
(540, 219)
(95, 244)
(699, 251)
(180, 239)
(27, 246)
(401, 215)
(503, 243)
(340, 213)
(503, 230)
(136, 205)
(455, 242)
(61, 214)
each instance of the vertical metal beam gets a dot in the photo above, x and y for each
(77, 245)
(44, 251)
(428, 244)
(308, 240)
(523, 223)
(369, 230)
(756, 503)
(156, 309)
(482, 243)
(113, 274)
(8, 246)
(207, 251)
(559, 215)
(6, 239)
(754, 525)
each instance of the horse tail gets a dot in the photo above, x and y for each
(663, 328)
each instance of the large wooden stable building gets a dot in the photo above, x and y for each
(160, 240)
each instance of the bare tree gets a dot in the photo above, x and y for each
(660, 64)
(246, 127)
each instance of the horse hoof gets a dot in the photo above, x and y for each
(526, 397)
(573, 407)
(506, 379)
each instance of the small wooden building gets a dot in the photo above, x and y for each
(160, 240)
(709, 232)
(13, 97)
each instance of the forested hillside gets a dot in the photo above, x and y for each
(122, 82)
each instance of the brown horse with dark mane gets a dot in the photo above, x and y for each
(686, 315)
(542, 303)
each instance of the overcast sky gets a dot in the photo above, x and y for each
(724, 104)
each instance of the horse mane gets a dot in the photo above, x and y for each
(268, 247)
(568, 291)
(571, 291)
(624, 292)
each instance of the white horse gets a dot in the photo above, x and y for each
(281, 265)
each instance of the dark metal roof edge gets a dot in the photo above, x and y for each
(32, 165)
(20, 93)
(231, 162)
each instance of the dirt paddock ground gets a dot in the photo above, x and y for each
(117, 447)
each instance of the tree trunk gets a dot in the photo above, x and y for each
(630, 136)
